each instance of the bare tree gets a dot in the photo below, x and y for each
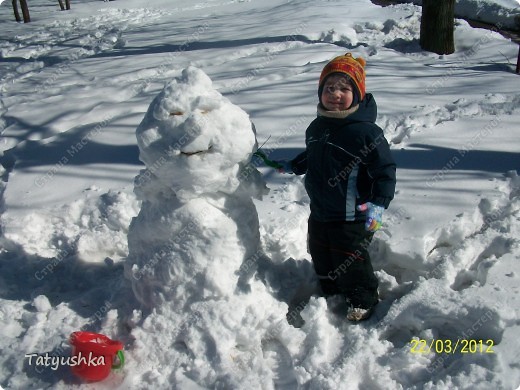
(65, 6)
(437, 26)
(16, 13)
(25, 11)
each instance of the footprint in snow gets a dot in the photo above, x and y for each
(280, 362)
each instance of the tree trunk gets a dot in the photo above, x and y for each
(437, 25)
(16, 13)
(65, 6)
(25, 11)
(518, 61)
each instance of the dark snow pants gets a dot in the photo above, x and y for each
(341, 260)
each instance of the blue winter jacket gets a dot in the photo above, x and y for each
(347, 162)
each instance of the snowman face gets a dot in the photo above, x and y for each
(193, 139)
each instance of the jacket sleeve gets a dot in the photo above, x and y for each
(299, 163)
(381, 168)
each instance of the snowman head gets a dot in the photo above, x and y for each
(193, 140)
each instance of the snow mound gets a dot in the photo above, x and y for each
(400, 128)
(92, 228)
(396, 33)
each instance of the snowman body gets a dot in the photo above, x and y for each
(195, 238)
(197, 222)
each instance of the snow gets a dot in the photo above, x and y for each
(128, 205)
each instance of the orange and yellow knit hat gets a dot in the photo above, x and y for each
(354, 68)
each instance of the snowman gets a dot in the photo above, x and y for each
(194, 239)
(197, 224)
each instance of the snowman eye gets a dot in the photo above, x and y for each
(176, 113)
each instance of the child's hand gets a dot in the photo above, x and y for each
(284, 166)
(374, 216)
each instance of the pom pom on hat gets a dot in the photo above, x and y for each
(354, 68)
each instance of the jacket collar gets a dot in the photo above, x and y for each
(336, 114)
(366, 111)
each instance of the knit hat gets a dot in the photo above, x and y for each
(353, 68)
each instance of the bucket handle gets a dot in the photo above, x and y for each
(121, 358)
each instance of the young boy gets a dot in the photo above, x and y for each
(350, 180)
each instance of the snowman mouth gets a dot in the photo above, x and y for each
(196, 152)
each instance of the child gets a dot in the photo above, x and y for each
(350, 180)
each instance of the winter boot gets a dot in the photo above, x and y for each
(360, 310)
(356, 314)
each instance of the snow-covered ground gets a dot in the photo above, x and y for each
(76, 85)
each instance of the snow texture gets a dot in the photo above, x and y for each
(131, 204)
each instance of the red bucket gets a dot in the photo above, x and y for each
(94, 355)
